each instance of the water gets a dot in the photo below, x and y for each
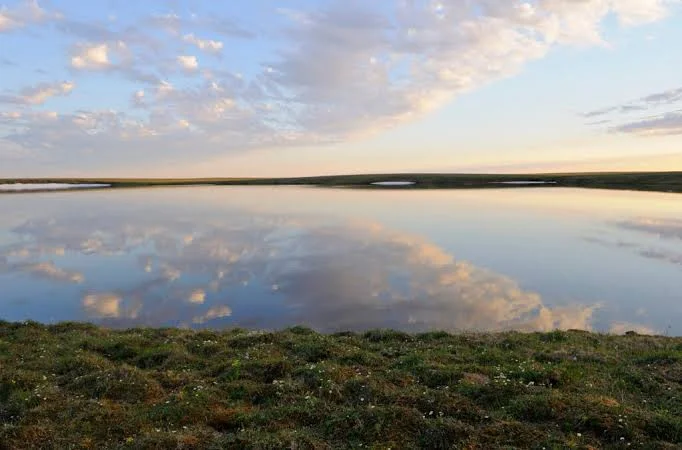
(342, 259)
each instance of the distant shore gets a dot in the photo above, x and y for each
(636, 181)
(78, 385)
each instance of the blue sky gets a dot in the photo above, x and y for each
(265, 88)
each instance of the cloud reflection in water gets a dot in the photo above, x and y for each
(267, 270)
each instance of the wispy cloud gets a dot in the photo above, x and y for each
(665, 228)
(667, 124)
(661, 124)
(51, 271)
(658, 99)
(36, 95)
(24, 13)
(207, 45)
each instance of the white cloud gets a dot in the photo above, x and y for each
(91, 57)
(207, 45)
(188, 62)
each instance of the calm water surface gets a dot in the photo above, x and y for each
(334, 259)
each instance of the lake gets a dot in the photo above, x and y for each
(341, 259)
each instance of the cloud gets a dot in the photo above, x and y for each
(664, 228)
(197, 296)
(657, 99)
(170, 273)
(25, 13)
(92, 57)
(667, 229)
(338, 71)
(207, 45)
(132, 51)
(326, 274)
(669, 124)
(173, 23)
(138, 99)
(37, 95)
(103, 305)
(377, 277)
(51, 271)
(217, 312)
(663, 255)
(635, 12)
(666, 97)
(188, 62)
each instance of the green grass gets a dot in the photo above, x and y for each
(80, 386)
(639, 181)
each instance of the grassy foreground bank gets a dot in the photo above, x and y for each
(80, 386)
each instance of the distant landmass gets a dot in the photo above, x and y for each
(637, 181)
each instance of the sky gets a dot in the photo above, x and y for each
(172, 88)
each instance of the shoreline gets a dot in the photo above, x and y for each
(76, 384)
(635, 181)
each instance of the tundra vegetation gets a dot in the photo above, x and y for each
(74, 385)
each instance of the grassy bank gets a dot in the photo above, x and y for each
(638, 181)
(79, 386)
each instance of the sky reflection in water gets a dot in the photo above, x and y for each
(531, 259)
